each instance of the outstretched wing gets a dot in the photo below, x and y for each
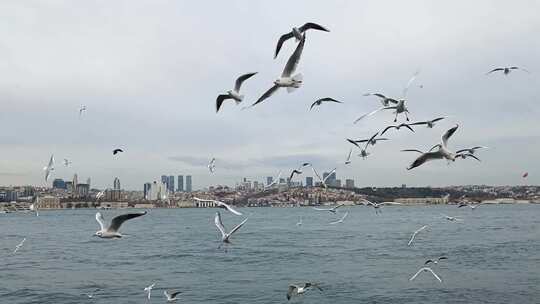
(495, 70)
(219, 224)
(238, 226)
(292, 63)
(231, 209)
(329, 174)
(282, 39)
(370, 113)
(412, 150)
(267, 94)
(355, 142)
(448, 134)
(434, 274)
(290, 292)
(313, 26)
(425, 157)
(241, 79)
(117, 221)
(100, 220)
(386, 129)
(416, 274)
(220, 99)
(413, 78)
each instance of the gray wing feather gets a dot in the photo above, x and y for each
(241, 79)
(292, 63)
(267, 94)
(282, 39)
(117, 221)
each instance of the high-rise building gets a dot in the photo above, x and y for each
(282, 180)
(330, 179)
(83, 190)
(349, 183)
(59, 183)
(309, 181)
(75, 182)
(146, 189)
(337, 183)
(269, 180)
(165, 179)
(170, 183)
(88, 181)
(188, 184)
(116, 184)
(180, 183)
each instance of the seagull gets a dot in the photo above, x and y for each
(471, 150)
(318, 102)
(112, 230)
(429, 123)
(212, 165)
(67, 162)
(425, 269)
(373, 141)
(148, 290)
(385, 101)
(224, 235)
(171, 296)
(90, 295)
(298, 33)
(323, 181)
(298, 289)
(364, 153)
(100, 194)
(235, 93)
(49, 168)
(451, 218)
(525, 175)
(19, 246)
(348, 160)
(377, 206)
(415, 233)
(275, 181)
(441, 153)
(506, 70)
(81, 110)
(397, 127)
(287, 80)
(33, 207)
(299, 222)
(472, 206)
(220, 204)
(333, 209)
(340, 221)
(116, 151)
(435, 261)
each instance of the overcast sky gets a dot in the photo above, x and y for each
(149, 73)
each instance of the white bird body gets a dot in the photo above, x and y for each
(49, 168)
(148, 290)
(19, 245)
(171, 296)
(236, 96)
(415, 233)
(299, 289)
(111, 231)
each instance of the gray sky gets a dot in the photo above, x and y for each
(149, 73)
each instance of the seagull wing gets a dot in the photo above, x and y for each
(219, 224)
(370, 113)
(100, 220)
(238, 226)
(313, 26)
(425, 157)
(220, 99)
(316, 103)
(495, 70)
(231, 209)
(448, 134)
(290, 292)
(281, 40)
(412, 150)
(329, 174)
(416, 274)
(292, 63)
(117, 221)
(387, 128)
(267, 94)
(433, 273)
(413, 78)
(344, 216)
(437, 119)
(408, 127)
(355, 142)
(418, 123)
(241, 79)
(51, 162)
(349, 155)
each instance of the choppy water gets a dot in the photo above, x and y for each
(494, 256)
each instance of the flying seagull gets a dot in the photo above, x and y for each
(224, 235)
(318, 102)
(451, 218)
(100, 194)
(397, 127)
(364, 153)
(275, 181)
(425, 269)
(429, 123)
(81, 110)
(340, 221)
(235, 93)
(415, 233)
(472, 206)
(67, 162)
(298, 33)
(212, 165)
(148, 290)
(220, 204)
(377, 206)
(442, 153)
(287, 80)
(49, 168)
(471, 150)
(373, 141)
(299, 222)
(19, 246)
(116, 151)
(323, 180)
(348, 160)
(385, 101)
(112, 230)
(298, 289)
(293, 173)
(506, 70)
(333, 209)
(171, 296)
(435, 261)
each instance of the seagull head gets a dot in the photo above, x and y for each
(98, 233)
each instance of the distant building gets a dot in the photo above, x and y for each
(282, 180)
(113, 195)
(337, 183)
(349, 183)
(89, 182)
(269, 180)
(11, 196)
(83, 190)
(170, 183)
(69, 186)
(180, 183)
(189, 186)
(165, 179)
(59, 183)
(330, 179)
(309, 181)
(146, 189)
(75, 182)
(116, 184)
